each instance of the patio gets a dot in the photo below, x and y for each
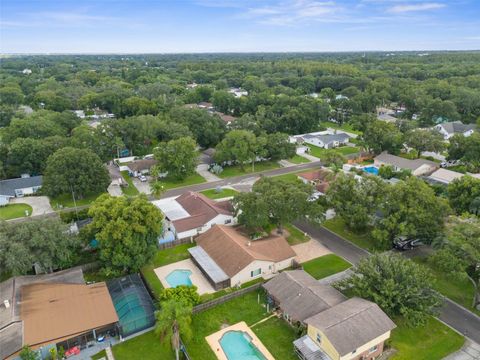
(196, 277)
(309, 250)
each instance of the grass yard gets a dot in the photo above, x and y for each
(13, 211)
(99, 355)
(297, 159)
(163, 257)
(190, 180)
(145, 347)
(337, 225)
(326, 265)
(458, 290)
(433, 341)
(66, 201)
(344, 127)
(235, 170)
(293, 176)
(129, 190)
(343, 150)
(276, 331)
(296, 236)
(213, 194)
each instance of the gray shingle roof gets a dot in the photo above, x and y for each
(402, 162)
(351, 324)
(328, 138)
(8, 187)
(457, 127)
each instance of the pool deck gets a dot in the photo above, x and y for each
(196, 277)
(214, 341)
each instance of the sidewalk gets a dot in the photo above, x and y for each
(469, 351)
(202, 170)
(309, 157)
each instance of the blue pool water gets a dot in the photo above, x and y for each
(237, 345)
(371, 170)
(179, 277)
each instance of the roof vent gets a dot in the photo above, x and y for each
(6, 303)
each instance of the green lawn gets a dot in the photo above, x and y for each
(458, 290)
(99, 355)
(431, 342)
(163, 257)
(213, 194)
(66, 201)
(230, 171)
(145, 347)
(276, 331)
(343, 150)
(297, 159)
(13, 211)
(292, 176)
(129, 190)
(190, 180)
(296, 236)
(337, 225)
(326, 265)
(344, 127)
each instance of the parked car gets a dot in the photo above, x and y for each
(142, 178)
(403, 243)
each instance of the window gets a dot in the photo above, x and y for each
(354, 351)
(373, 349)
(255, 272)
(228, 221)
(319, 338)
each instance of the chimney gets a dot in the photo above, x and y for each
(6, 303)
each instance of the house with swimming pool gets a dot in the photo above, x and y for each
(337, 328)
(228, 258)
(191, 214)
(418, 167)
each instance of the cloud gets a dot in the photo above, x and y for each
(398, 9)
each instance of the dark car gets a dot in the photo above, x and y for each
(403, 244)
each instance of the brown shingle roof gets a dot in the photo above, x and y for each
(233, 251)
(143, 164)
(201, 210)
(316, 175)
(58, 311)
(352, 324)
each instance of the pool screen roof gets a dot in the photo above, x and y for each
(171, 208)
(208, 264)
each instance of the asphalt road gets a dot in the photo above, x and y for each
(452, 314)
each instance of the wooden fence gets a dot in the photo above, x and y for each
(174, 243)
(209, 304)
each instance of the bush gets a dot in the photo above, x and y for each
(182, 293)
(71, 216)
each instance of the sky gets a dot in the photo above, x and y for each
(187, 26)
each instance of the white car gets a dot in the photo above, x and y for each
(142, 178)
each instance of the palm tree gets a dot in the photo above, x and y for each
(173, 320)
(157, 189)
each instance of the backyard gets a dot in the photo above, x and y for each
(343, 150)
(223, 193)
(13, 211)
(325, 266)
(66, 201)
(236, 170)
(344, 127)
(129, 190)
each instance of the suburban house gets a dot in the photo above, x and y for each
(418, 167)
(238, 92)
(19, 187)
(324, 139)
(386, 114)
(191, 214)
(227, 119)
(138, 167)
(320, 179)
(445, 176)
(229, 258)
(448, 129)
(53, 310)
(337, 328)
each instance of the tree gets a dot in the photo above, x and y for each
(239, 146)
(127, 229)
(157, 189)
(177, 157)
(410, 208)
(174, 319)
(223, 101)
(279, 201)
(380, 136)
(466, 149)
(425, 140)
(185, 294)
(333, 159)
(77, 171)
(398, 285)
(279, 147)
(462, 193)
(46, 243)
(28, 354)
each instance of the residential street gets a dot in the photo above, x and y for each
(454, 315)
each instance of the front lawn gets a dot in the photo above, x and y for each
(66, 201)
(326, 265)
(433, 341)
(343, 150)
(163, 257)
(297, 159)
(276, 331)
(236, 170)
(224, 192)
(13, 211)
(344, 127)
(190, 180)
(337, 225)
(129, 190)
(295, 235)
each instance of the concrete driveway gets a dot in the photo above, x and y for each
(143, 187)
(40, 204)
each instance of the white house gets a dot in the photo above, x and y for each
(418, 167)
(228, 258)
(238, 92)
(449, 129)
(191, 214)
(324, 139)
(19, 187)
(26, 71)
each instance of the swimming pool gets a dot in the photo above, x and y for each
(371, 170)
(237, 345)
(179, 277)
